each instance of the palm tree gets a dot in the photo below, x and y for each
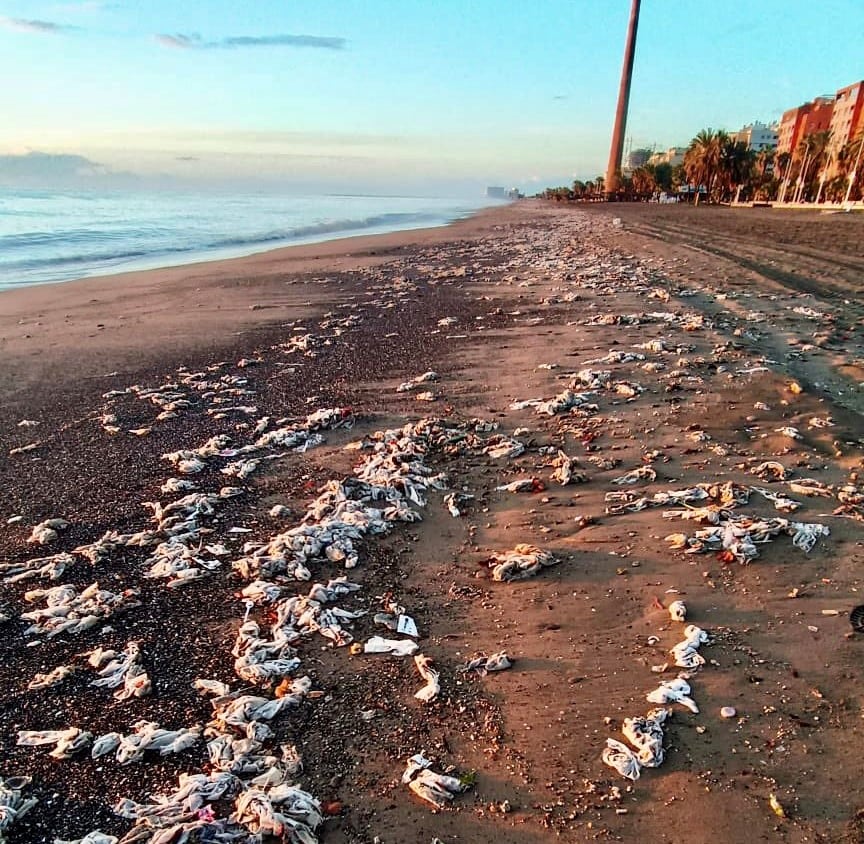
(644, 183)
(702, 160)
(763, 172)
(736, 166)
(812, 150)
(849, 167)
(783, 162)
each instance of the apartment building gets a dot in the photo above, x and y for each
(797, 123)
(847, 118)
(757, 136)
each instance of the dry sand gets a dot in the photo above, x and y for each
(520, 284)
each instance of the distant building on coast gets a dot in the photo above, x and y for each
(496, 192)
(757, 136)
(674, 156)
(637, 158)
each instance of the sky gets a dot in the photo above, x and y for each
(399, 96)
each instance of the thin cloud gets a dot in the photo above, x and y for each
(183, 41)
(40, 27)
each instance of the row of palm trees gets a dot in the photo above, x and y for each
(719, 168)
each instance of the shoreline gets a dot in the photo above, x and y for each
(213, 254)
(182, 306)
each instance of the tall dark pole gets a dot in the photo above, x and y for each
(613, 171)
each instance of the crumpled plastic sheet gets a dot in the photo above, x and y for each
(95, 837)
(123, 669)
(645, 733)
(394, 476)
(68, 611)
(677, 611)
(264, 807)
(500, 446)
(46, 532)
(770, 470)
(781, 502)
(522, 562)
(434, 788)
(810, 487)
(52, 678)
(686, 652)
(620, 757)
(396, 647)
(452, 501)
(66, 742)
(258, 660)
(483, 665)
(634, 476)
(13, 804)
(564, 401)
(433, 686)
(738, 536)
(566, 471)
(425, 378)
(522, 485)
(673, 691)
(631, 502)
(45, 568)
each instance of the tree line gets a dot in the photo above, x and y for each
(719, 168)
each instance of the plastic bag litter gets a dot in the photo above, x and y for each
(522, 562)
(425, 378)
(66, 742)
(45, 568)
(522, 485)
(124, 669)
(565, 470)
(68, 611)
(677, 611)
(673, 691)
(396, 647)
(52, 678)
(95, 837)
(433, 687)
(780, 501)
(810, 487)
(686, 652)
(13, 804)
(501, 446)
(452, 501)
(635, 476)
(620, 757)
(805, 535)
(434, 788)
(46, 532)
(770, 470)
(482, 665)
(645, 733)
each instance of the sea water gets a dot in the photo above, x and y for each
(48, 237)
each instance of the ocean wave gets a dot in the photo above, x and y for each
(330, 227)
(109, 257)
(74, 239)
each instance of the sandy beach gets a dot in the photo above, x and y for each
(686, 348)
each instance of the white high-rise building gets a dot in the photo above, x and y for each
(758, 136)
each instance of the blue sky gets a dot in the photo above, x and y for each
(398, 95)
